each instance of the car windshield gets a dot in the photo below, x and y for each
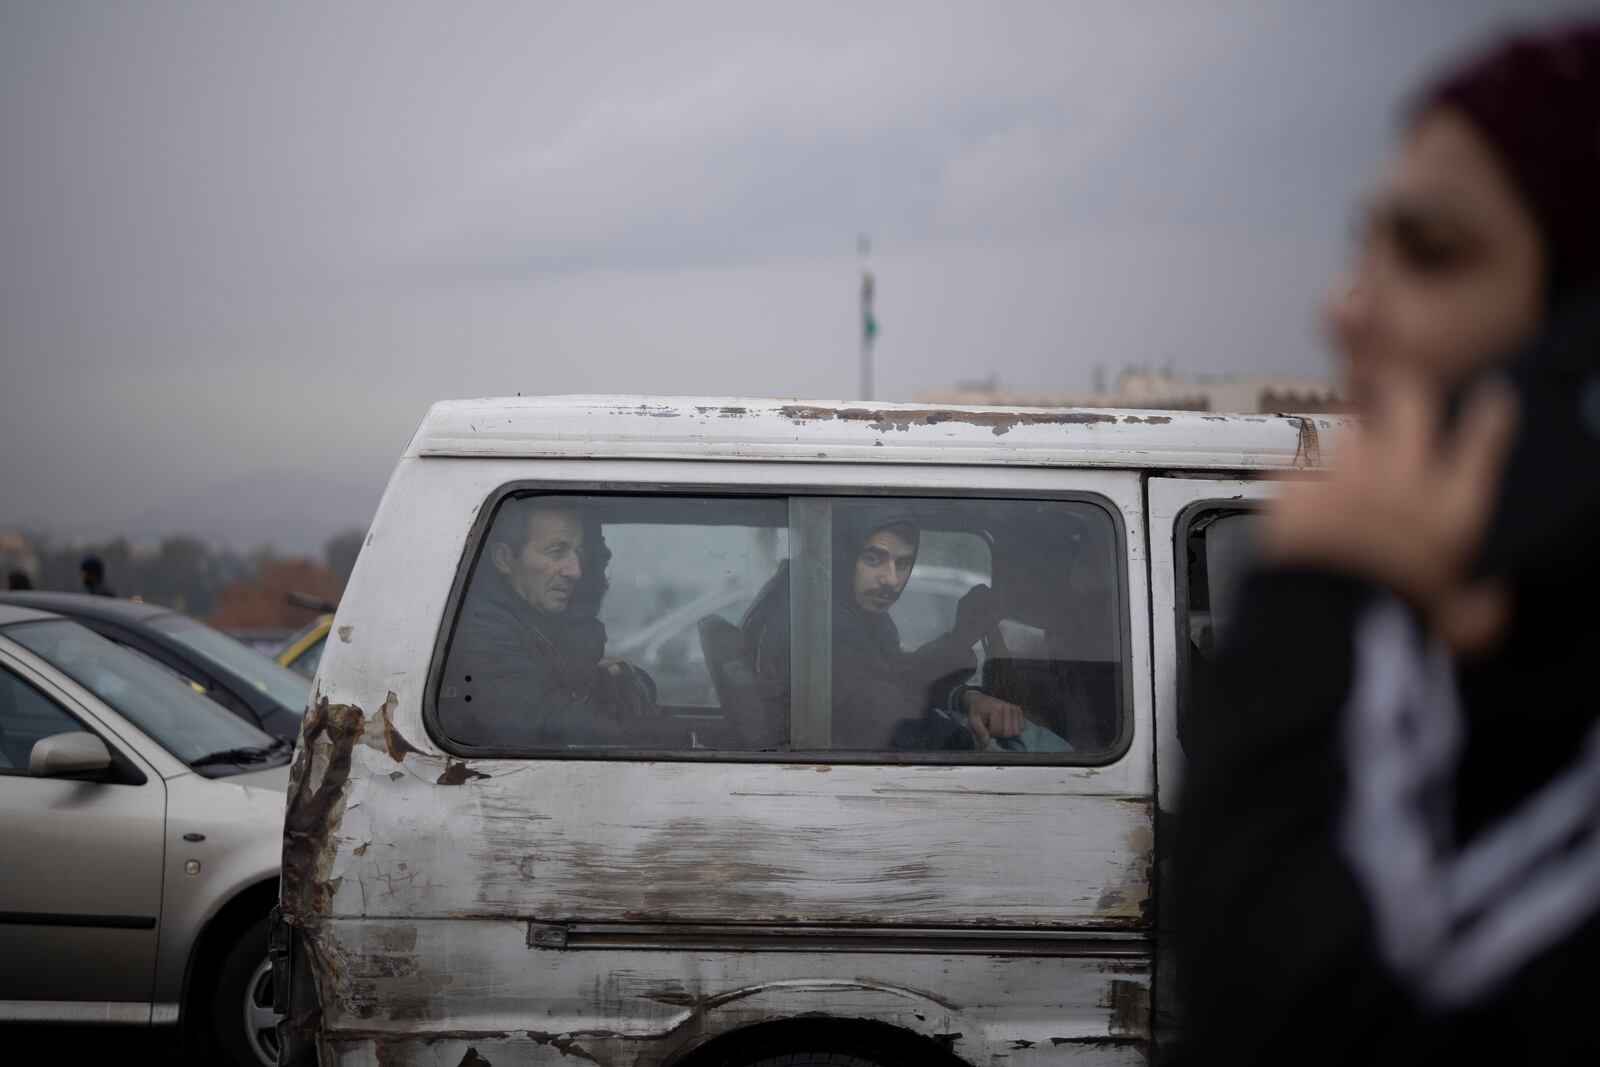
(285, 688)
(310, 658)
(177, 718)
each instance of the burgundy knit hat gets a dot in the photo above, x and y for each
(1536, 98)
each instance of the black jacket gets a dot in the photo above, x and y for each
(881, 693)
(519, 677)
(1380, 860)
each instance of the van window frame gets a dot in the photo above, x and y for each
(1182, 527)
(477, 538)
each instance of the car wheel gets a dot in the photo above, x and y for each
(242, 1019)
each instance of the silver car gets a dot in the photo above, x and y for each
(140, 841)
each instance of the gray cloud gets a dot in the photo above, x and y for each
(249, 246)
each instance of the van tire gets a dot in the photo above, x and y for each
(236, 1004)
(818, 1058)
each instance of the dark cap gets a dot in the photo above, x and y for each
(1535, 97)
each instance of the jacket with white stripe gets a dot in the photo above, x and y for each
(1381, 858)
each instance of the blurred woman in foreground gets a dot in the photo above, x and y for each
(1391, 825)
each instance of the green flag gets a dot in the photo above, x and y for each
(869, 322)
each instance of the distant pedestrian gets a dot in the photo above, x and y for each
(16, 581)
(92, 573)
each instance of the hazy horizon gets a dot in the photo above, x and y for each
(247, 247)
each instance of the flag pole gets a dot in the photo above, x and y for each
(869, 325)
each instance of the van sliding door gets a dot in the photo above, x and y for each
(628, 859)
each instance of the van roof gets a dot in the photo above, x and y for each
(722, 428)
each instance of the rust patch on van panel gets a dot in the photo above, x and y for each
(656, 879)
(724, 868)
(566, 1044)
(1132, 899)
(884, 420)
(388, 1050)
(806, 413)
(1112, 902)
(394, 741)
(1308, 452)
(1129, 965)
(385, 965)
(678, 997)
(1130, 1008)
(316, 968)
(398, 987)
(316, 806)
(391, 1051)
(457, 773)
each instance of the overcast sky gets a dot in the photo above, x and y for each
(245, 247)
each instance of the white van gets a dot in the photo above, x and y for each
(885, 792)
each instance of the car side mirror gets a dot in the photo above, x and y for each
(59, 755)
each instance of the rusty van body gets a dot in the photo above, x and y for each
(452, 898)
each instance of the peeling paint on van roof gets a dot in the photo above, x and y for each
(631, 427)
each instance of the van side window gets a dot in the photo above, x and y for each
(1217, 552)
(830, 626)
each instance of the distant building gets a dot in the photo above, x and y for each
(1141, 389)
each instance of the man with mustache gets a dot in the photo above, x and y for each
(527, 666)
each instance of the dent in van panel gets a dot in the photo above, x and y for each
(1308, 453)
(318, 780)
(317, 783)
(392, 868)
(813, 852)
(520, 1005)
(441, 983)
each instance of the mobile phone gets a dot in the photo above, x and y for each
(1545, 531)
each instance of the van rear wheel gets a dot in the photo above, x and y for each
(814, 1058)
(242, 1020)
